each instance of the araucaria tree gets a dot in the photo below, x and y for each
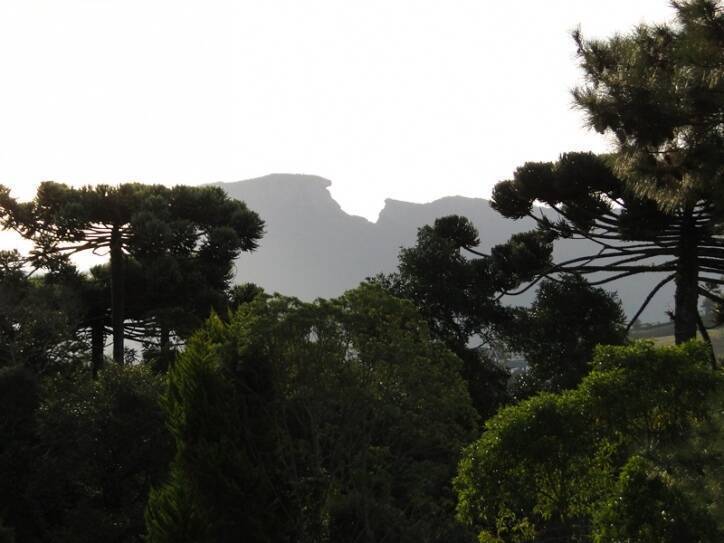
(657, 203)
(141, 221)
(633, 234)
(659, 91)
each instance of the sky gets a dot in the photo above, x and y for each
(406, 99)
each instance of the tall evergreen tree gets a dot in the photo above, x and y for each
(657, 204)
(659, 90)
(633, 234)
(143, 221)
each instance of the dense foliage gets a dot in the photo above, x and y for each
(359, 419)
(557, 334)
(38, 317)
(173, 231)
(333, 421)
(457, 289)
(656, 204)
(456, 295)
(632, 234)
(610, 460)
(78, 456)
(659, 90)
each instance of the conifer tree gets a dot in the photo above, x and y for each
(659, 90)
(633, 234)
(656, 205)
(143, 221)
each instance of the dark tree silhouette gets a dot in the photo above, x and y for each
(457, 289)
(633, 233)
(559, 332)
(133, 219)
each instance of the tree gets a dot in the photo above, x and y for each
(78, 455)
(334, 421)
(39, 317)
(144, 221)
(593, 462)
(633, 233)
(101, 445)
(455, 294)
(166, 300)
(458, 296)
(659, 90)
(561, 329)
(647, 508)
(19, 399)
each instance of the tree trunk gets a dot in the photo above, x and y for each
(686, 298)
(164, 342)
(117, 294)
(707, 339)
(164, 346)
(97, 344)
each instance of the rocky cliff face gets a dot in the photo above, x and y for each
(312, 248)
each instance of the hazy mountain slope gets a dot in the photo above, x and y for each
(312, 248)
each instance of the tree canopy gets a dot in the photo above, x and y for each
(334, 421)
(632, 233)
(655, 204)
(596, 461)
(39, 317)
(659, 90)
(144, 221)
(558, 333)
(457, 296)
(78, 455)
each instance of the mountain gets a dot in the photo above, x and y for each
(312, 248)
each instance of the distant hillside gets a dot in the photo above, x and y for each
(312, 248)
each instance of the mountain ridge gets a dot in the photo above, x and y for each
(312, 248)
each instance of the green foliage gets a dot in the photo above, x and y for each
(452, 292)
(19, 398)
(560, 330)
(38, 317)
(155, 218)
(185, 239)
(519, 259)
(456, 296)
(646, 507)
(632, 233)
(222, 483)
(80, 454)
(564, 466)
(334, 421)
(660, 91)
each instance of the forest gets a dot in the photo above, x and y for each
(149, 398)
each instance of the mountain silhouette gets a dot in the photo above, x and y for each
(312, 248)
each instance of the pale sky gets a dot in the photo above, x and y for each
(404, 99)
